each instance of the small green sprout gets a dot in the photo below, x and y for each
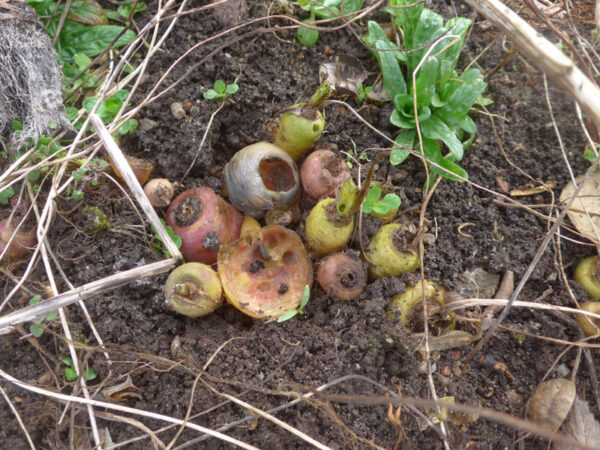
(363, 91)
(71, 375)
(36, 327)
(221, 90)
(6, 195)
(305, 297)
(519, 338)
(160, 246)
(372, 204)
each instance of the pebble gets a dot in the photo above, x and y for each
(177, 110)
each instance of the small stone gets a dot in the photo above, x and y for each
(177, 110)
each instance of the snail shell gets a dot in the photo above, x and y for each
(261, 177)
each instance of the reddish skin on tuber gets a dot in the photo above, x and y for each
(322, 172)
(342, 276)
(264, 273)
(204, 222)
(21, 244)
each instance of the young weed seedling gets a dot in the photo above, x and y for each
(362, 92)
(305, 297)
(221, 90)
(36, 327)
(443, 97)
(159, 245)
(71, 375)
(373, 204)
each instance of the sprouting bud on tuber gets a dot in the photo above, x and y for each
(159, 192)
(327, 232)
(389, 253)
(193, 290)
(264, 274)
(22, 243)
(203, 221)
(261, 177)
(322, 172)
(298, 130)
(343, 276)
(587, 275)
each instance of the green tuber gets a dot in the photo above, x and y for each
(587, 275)
(326, 231)
(405, 307)
(389, 254)
(194, 290)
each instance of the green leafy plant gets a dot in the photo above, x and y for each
(305, 297)
(221, 90)
(85, 31)
(109, 109)
(443, 97)
(323, 9)
(372, 202)
(6, 195)
(88, 374)
(159, 245)
(36, 328)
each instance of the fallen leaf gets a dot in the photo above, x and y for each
(551, 403)
(585, 209)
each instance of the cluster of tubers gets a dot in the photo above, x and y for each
(263, 270)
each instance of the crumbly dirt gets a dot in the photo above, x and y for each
(473, 225)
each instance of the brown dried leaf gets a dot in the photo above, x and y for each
(343, 75)
(551, 403)
(588, 200)
(448, 340)
(582, 425)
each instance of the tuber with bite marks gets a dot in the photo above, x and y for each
(204, 222)
(264, 273)
(342, 275)
(260, 178)
(194, 290)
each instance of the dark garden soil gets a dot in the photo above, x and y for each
(250, 359)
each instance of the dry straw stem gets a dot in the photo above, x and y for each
(544, 55)
(136, 189)
(29, 313)
(69, 398)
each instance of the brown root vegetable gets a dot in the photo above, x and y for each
(264, 274)
(204, 222)
(159, 192)
(22, 243)
(322, 172)
(194, 290)
(343, 276)
(261, 177)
